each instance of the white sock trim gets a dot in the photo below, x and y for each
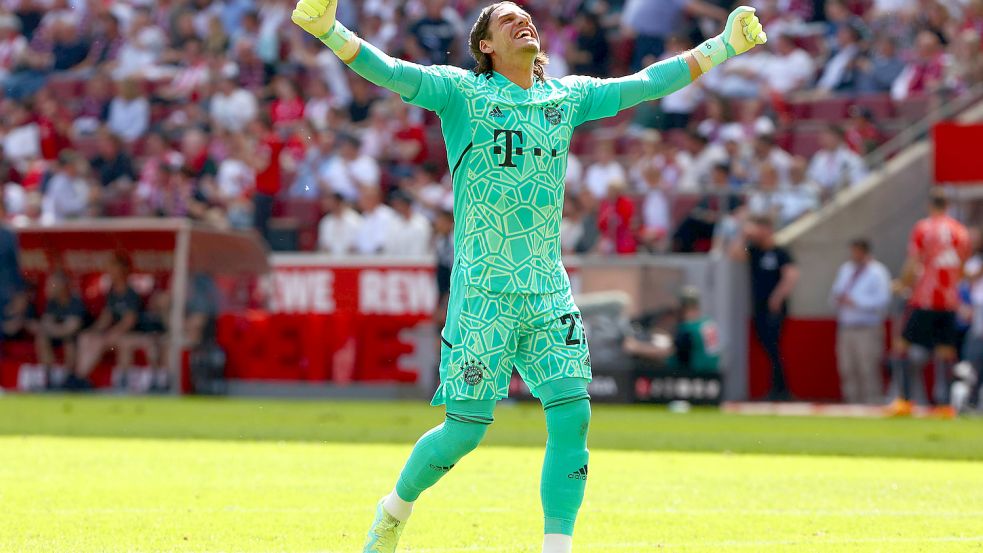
(557, 543)
(396, 507)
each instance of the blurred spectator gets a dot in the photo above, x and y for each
(589, 52)
(695, 233)
(112, 167)
(62, 320)
(21, 135)
(287, 108)
(878, 70)
(409, 142)
(801, 196)
(835, 165)
(571, 224)
(787, 68)
(652, 23)
(862, 134)
(232, 107)
(409, 231)
(773, 278)
(617, 220)
(766, 152)
(339, 226)
(350, 171)
(656, 217)
(11, 283)
(924, 74)
(434, 36)
(377, 221)
(838, 73)
(236, 182)
(67, 193)
(317, 158)
(118, 317)
(266, 162)
(605, 170)
(860, 295)
(973, 345)
(12, 44)
(695, 346)
(766, 199)
(129, 112)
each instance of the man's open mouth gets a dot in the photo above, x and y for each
(524, 33)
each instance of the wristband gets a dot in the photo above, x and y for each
(341, 41)
(714, 53)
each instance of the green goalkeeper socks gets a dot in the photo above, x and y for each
(564, 479)
(436, 453)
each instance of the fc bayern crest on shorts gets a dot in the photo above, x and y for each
(473, 372)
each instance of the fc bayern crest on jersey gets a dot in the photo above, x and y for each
(474, 371)
(553, 114)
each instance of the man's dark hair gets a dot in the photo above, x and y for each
(483, 61)
(861, 244)
(938, 200)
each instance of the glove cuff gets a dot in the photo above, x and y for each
(340, 40)
(714, 52)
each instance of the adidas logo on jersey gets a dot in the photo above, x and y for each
(496, 113)
(587, 361)
(579, 474)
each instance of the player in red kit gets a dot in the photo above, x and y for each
(937, 250)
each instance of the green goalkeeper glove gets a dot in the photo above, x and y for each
(317, 17)
(742, 32)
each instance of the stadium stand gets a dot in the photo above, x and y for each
(158, 109)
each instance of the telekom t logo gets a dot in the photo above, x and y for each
(509, 150)
(513, 147)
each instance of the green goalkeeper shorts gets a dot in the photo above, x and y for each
(488, 333)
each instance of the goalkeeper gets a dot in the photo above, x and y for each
(507, 130)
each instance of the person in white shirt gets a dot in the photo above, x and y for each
(410, 231)
(766, 199)
(801, 195)
(837, 74)
(129, 112)
(66, 195)
(377, 222)
(766, 151)
(835, 165)
(861, 294)
(789, 68)
(232, 107)
(604, 170)
(350, 171)
(337, 229)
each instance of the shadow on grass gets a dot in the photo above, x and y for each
(642, 428)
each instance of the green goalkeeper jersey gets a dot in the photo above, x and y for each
(507, 149)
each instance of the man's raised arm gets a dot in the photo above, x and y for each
(742, 32)
(317, 17)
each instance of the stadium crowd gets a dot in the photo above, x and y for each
(223, 112)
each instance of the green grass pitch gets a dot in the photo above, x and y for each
(106, 474)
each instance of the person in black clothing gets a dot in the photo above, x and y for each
(773, 277)
(118, 317)
(62, 320)
(444, 247)
(434, 34)
(11, 283)
(695, 232)
(590, 52)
